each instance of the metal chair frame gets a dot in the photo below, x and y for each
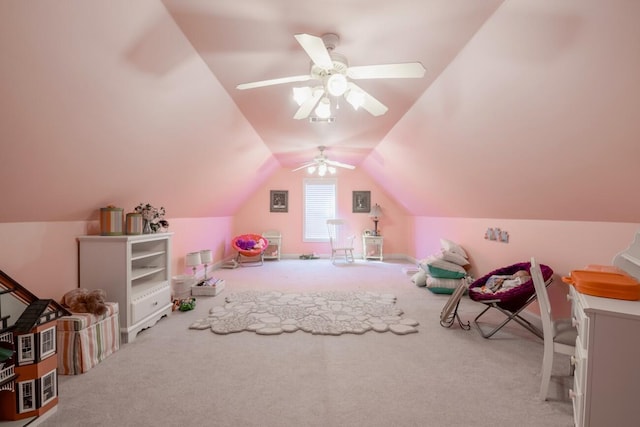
(511, 315)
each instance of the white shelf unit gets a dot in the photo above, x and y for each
(372, 247)
(274, 247)
(134, 271)
(606, 383)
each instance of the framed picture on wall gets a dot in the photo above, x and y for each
(279, 201)
(361, 201)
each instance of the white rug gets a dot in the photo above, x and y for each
(323, 313)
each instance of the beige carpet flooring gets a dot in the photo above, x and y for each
(175, 376)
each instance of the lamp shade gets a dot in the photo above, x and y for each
(337, 84)
(301, 94)
(355, 97)
(323, 110)
(193, 259)
(206, 256)
(375, 212)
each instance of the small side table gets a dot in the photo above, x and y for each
(275, 244)
(372, 247)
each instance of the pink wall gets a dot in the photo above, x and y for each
(195, 234)
(254, 216)
(43, 256)
(563, 245)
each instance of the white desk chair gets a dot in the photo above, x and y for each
(340, 240)
(559, 335)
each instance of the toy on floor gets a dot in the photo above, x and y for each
(83, 300)
(185, 304)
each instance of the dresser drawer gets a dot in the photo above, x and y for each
(150, 303)
(578, 392)
(579, 318)
(579, 361)
(577, 399)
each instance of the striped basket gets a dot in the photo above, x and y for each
(111, 221)
(84, 340)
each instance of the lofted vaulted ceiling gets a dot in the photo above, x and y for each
(254, 40)
(528, 109)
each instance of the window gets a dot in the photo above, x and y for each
(25, 396)
(48, 387)
(47, 343)
(25, 348)
(319, 206)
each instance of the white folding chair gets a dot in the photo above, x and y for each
(559, 335)
(340, 239)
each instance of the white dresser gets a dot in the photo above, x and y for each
(606, 388)
(135, 271)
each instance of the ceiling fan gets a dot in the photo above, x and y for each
(323, 165)
(333, 78)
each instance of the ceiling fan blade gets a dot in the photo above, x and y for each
(372, 105)
(306, 165)
(315, 48)
(340, 165)
(305, 109)
(272, 82)
(387, 71)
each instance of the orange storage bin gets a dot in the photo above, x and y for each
(605, 268)
(607, 283)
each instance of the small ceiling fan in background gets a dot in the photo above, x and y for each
(333, 78)
(322, 164)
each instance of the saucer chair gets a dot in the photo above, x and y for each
(249, 247)
(510, 302)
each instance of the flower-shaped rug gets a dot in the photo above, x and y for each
(322, 313)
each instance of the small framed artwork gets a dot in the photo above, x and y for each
(361, 201)
(367, 232)
(279, 201)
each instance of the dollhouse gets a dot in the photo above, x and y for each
(28, 362)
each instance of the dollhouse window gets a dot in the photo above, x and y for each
(25, 349)
(25, 396)
(48, 387)
(47, 343)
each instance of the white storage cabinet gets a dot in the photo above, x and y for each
(606, 386)
(135, 271)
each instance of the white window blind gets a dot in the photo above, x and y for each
(319, 206)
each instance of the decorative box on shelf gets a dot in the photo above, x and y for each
(210, 287)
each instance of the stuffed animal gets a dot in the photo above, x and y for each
(82, 300)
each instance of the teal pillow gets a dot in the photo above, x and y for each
(448, 291)
(441, 273)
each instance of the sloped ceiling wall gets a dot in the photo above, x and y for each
(537, 118)
(84, 122)
(107, 102)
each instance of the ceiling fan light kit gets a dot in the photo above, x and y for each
(355, 98)
(301, 94)
(323, 110)
(334, 74)
(337, 84)
(322, 165)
